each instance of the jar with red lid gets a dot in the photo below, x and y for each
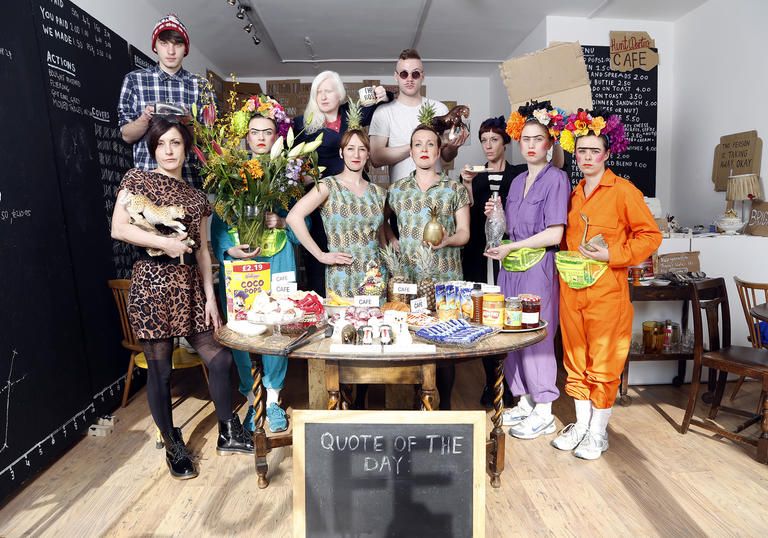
(531, 310)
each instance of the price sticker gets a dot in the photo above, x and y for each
(284, 289)
(366, 300)
(283, 278)
(405, 289)
(418, 305)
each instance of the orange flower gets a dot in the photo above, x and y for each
(597, 125)
(581, 128)
(253, 167)
(515, 125)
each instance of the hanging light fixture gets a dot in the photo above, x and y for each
(256, 40)
(248, 27)
(240, 13)
(231, 2)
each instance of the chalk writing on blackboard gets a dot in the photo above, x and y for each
(5, 394)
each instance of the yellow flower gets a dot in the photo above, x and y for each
(582, 128)
(567, 142)
(597, 125)
(254, 169)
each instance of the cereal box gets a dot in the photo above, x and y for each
(244, 279)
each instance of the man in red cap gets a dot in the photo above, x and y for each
(166, 82)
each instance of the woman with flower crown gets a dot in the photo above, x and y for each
(595, 313)
(267, 123)
(536, 211)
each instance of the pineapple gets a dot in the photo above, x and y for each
(426, 265)
(426, 114)
(354, 115)
(391, 260)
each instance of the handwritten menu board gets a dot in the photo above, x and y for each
(632, 95)
(389, 473)
(83, 63)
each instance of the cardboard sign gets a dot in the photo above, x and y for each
(283, 278)
(676, 262)
(738, 153)
(758, 219)
(284, 288)
(417, 305)
(388, 473)
(557, 73)
(633, 50)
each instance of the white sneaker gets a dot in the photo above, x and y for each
(510, 417)
(592, 446)
(570, 437)
(532, 426)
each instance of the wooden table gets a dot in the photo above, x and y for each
(378, 368)
(760, 311)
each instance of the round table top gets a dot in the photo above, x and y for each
(760, 311)
(498, 344)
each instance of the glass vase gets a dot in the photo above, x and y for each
(251, 225)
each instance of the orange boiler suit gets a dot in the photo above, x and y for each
(596, 322)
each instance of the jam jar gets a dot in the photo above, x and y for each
(513, 312)
(531, 310)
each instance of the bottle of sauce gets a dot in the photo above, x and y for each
(477, 303)
(531, 311)
(513, 313)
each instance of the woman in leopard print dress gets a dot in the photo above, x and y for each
(168, 299)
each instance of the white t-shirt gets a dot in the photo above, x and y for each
(396, 122)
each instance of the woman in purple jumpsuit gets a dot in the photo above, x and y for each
(536, 213)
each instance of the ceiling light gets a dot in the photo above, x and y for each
(256, 39)
(240, 12)
(231, 2)
(248, 27)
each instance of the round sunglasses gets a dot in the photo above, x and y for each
(416, 75)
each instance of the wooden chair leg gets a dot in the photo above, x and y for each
(717, 399)
(737, 388)
(762, 442)
(205, 373)
(691, 398)
(128, 378)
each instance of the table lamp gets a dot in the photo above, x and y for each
(743, 187)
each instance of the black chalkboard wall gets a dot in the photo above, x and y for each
(61, 363)
(412, 482)
(633, 95)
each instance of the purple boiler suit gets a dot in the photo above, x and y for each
(533, 369)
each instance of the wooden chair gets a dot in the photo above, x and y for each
(752, 362)
(749, 293)
(181, 357)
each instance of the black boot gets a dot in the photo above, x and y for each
(233, 438)
(177, 456)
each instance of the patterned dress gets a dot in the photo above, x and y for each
(351, 223)
(412, 207)
(165, 299)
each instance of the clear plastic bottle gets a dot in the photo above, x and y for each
(477, 303)
(495, 224)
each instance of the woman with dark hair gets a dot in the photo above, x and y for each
(596, 316)
(536, 210)
(328, 112)
(411, 199)
(172, 295)
(267, 124)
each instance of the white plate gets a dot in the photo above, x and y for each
(659, 283)
(477, 171)
(246, 327)
(542, 324)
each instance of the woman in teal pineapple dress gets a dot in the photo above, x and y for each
(352, 212)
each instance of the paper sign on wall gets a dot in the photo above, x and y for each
(633, 50)
(557, 73)
(738, 153)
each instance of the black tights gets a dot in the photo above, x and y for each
(445, 377)
(217, 359)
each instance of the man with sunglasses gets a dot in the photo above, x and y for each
(394, 122)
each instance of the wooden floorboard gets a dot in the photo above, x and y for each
(653, 481)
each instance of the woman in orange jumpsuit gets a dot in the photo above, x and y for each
(596, 321)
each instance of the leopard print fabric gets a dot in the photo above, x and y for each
(167, 300)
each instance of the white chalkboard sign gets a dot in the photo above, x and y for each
(389, 473)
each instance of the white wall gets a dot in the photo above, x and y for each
(596, 32)
(134, 21)
(472, 91)
(720, 88)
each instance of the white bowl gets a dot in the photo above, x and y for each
(332, 309)
(730, 225)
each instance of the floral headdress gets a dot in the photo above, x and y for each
(552, 118)
(595, 122)
(260, 105)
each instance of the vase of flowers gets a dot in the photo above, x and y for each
(246, 186)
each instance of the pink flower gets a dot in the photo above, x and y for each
(209, 115)
(200, 155)
(216, 148)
